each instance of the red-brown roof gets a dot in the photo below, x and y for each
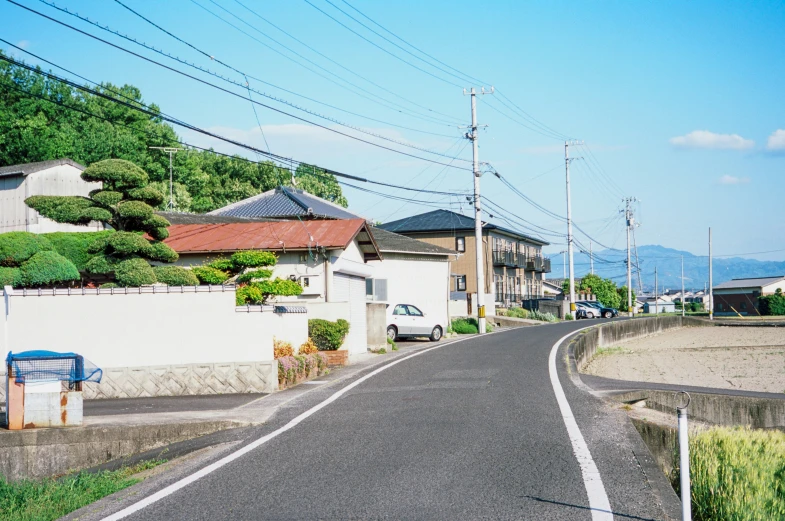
(274, 236)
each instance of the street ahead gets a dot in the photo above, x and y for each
(471, 430)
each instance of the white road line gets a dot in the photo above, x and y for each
(598, 499)
(174, 487)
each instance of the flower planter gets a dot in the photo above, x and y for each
(337, 358)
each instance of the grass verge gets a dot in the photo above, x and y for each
(52, 498)
(737, 474)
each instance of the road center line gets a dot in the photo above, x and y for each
(174, 487)
(598, 499)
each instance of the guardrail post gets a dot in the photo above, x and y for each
(684, 460)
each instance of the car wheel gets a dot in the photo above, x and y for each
(436, 334)
(392, 333)
(608, 314)
(589, 314)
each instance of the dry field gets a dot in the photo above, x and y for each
(745, 358)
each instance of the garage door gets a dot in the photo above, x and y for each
(352, 290)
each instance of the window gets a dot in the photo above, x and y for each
(460, 283)
(399, 310)
(303, 258)
(305, 281)
(413, 311)
(460, 244)
(376, 289)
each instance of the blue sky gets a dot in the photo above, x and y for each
(680, 103)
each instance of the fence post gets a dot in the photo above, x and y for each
(684, 460)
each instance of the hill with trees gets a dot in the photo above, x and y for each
(43, 119)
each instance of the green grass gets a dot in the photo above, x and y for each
(48, 499)
(737, 474)
(606, 351)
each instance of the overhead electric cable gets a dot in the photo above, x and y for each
(380, 47)
(239, 95)
(212, 73)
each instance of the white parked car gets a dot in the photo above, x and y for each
(405, 320)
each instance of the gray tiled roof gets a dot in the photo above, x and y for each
(29, 168)
(749, 283)
(445, 220)
(285, 203)
(389, 242)
(204, 218)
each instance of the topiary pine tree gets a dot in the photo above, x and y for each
(125, 202)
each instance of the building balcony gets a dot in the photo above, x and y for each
(536, 264)
(505, 258)
(546, 266)
(508, 298)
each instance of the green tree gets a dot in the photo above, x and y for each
(773, 304)
(251, 269)
(34, 129)
(125, 202)
(622, 291)
(604, 289)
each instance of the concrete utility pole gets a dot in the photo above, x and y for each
(711, 283)
(630, 222)
(656, 300)
(682, 286)
(477, 214)
(567, 161)
(171, 151)
(591, 258)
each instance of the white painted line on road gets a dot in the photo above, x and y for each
(174, 487)
(598, 499)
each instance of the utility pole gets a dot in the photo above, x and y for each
(591, 258)
(637, 262)
(171, 151)
(567, 161)
(630, 222)
(477, 214)
(656, 300)
(682, 286)
(711, 283)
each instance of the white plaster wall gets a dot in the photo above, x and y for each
(59, 180)
(419, 280)
(134, 330)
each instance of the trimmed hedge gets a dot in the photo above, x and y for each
(47, 268)
(253, 259)
(17, 247)
(63, 208)
(175, 276)
(162, 252)
(76, 246)
(117, 173)
(327, 335)
(134, 273)
(250, 276)
(209, 275)
(10, 276)
(259, 292)
(222, 264)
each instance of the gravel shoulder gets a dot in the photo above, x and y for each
(742, 358)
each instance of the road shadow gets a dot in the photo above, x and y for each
(581, 507)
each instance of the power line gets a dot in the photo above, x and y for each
(400, 109)
(241, 96)
(380, 47)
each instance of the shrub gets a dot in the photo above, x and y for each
(125, 243)
(101, 264)
(281, 348)
(773, 304)
(253, 259)
(134, 273)
(259, 292)
(569, 316)
(108, 285)
(328, 336)
(77, 246)
(250, 276)
(175, 276)
(737, 474)
(381, 351)
(517, 313)
(10, 276)
(17, 247)
(208, 275)
(545, 317)
(161, 252)
(392, 344)
(222, 264)
(465, 326)
(46, 268)
(308, 348)
(293, 368)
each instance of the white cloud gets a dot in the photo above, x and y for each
(706, 139)
(732, 180)
(23, 44)
(776, 140)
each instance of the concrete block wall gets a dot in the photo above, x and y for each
(174, 341)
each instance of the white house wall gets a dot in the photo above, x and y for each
(419, 280)
(59, 180)
(13, 211)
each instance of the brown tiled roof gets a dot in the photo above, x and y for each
(271, 236)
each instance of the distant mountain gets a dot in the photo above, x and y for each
(611, 264)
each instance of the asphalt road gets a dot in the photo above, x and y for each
(471, 430)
